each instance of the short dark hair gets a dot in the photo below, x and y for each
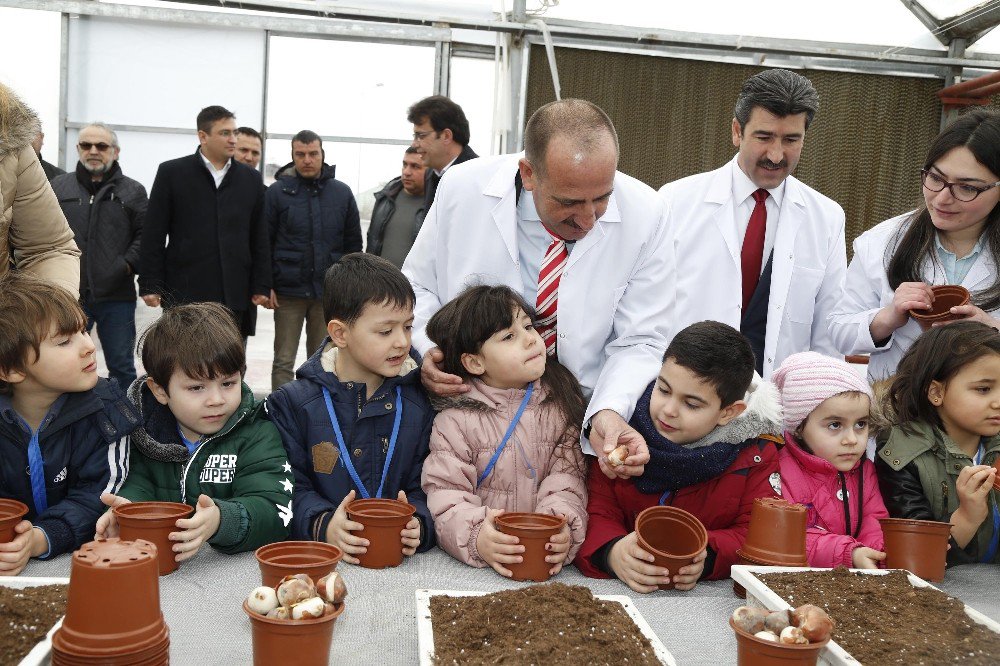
(718, 354)
(581, 121)
(781, 92)
(307, 137)
(201, 340)
(411, 150)
(937, 355)
(210, 115)
(32, 308)
(249, 131)
(360, 279)
(442, 113)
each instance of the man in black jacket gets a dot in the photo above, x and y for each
(51, 170)
(441, 136)
(105, 208)
(211, 207)
(398, 210)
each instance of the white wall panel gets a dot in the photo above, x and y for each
(472, 88)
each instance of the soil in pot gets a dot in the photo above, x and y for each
(542, 624)
(27, 614)
(883, 619)
(533, 531)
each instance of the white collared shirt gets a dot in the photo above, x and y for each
(217, 174)
(533, 242)
(743, 204)
(440, 172)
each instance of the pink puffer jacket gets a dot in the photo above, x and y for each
(534, 472)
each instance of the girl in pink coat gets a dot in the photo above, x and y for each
(511, 442)
(823, 463)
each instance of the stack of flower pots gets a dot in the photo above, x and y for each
(287, 558)
(919, 546)
(113, 612)
(533, 531)
(673, 536)
(11, 513)
(153, 522)
(384, 520)
(776, 536)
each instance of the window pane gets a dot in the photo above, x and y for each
(472, 88)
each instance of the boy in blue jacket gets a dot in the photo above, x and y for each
(58, 421)
(356, 421)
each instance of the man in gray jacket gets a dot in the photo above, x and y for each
(105, 210)
(396, 216)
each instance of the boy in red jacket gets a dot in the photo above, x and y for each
(712, 453)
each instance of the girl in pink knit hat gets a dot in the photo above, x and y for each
(823, 464)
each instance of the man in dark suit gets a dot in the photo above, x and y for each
(211, 208)
(441, 137)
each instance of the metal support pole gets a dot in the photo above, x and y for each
(263, 102)
(518, 75)
(956, 48)
(442, 68)
(63, 86)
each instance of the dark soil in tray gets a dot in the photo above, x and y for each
(25, 617)
(542, 624)
(885, 620)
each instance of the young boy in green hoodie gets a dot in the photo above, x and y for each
(204, 440)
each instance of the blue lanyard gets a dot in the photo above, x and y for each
(978, 458)
(36, 467)
(510, 431)
(666, 496)
(345, 456)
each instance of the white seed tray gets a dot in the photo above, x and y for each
(40, 654)
(759, 594)
(425, 630)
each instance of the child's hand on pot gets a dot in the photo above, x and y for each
(634, 566)
(410, 533)
(339, 532)
(497, 548)
(197, 529)
(558, 549)
(866, 558)
(107, 524)
(688, 575)
(27, 543)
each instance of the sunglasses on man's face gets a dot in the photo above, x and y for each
(85, 146)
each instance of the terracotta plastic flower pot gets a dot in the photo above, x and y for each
(153, 521)
(287, 558)
(946, 297)
(11, 513)
(777, 532)
(673, 536)
(383, 519)
(533, 531)
(919, 546)
(113, 603)
(753, 651)
(299, 642)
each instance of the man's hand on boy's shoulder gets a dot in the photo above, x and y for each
(608, 431)
(27, 543)
(197, 529)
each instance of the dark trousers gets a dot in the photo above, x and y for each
(116, 327)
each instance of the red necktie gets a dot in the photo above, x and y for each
(553, 264)
(752, 255)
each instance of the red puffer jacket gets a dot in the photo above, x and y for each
(722, 504)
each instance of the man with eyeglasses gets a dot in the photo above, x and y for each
(755, 247)
(441, 137)
(105, 209)
(210, 207)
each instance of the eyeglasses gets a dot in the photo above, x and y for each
(420, 136)
(961, 191)
(85, 146)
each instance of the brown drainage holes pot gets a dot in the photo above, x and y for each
(777, 533)
(11, 513)
(287, 558)
(672, 535)
(738, 589)
(153, 521)
(299, 642)
(533, 531)
(753, 651)
(113, 606)
(383, 519)
(946, 297)
(919, 546)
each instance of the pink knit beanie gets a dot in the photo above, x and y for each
(806, 379)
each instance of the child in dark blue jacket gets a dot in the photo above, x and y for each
(59, 422)
(356, 421)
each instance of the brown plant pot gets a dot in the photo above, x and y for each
(383, 519)
(673, 536)
(113, 603)
(919, 546)
(299, 642)
(11, 513)
(946, 297)
(753, 651)
(738, 589)
(777, 532)
(287, 558)
(153, 521)
(533, 531)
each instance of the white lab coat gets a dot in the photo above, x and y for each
(614, 294)
(807, 272)
(867, 291)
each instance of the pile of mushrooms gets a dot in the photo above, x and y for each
(803, 625)
(298, 598)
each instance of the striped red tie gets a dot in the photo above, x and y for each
(553, 264)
